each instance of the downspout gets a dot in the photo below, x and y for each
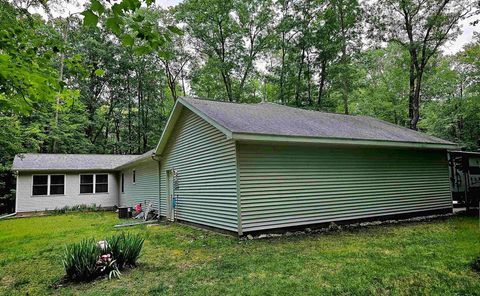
(158, 159)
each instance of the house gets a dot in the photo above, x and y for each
(54, 181)
(252, 167)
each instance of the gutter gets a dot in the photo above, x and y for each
(338, 141)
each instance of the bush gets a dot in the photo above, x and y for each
(76, 208)
(87, 259)
(80, 260)
(125, 248)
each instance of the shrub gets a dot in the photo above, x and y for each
(76, 208)
(125, 248)
(80, 260)
(87, 259)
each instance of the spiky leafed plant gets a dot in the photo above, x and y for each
(125, 248)
(80, 260)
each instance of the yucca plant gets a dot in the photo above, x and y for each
(80, 260)
(87, 259)
(125, 248)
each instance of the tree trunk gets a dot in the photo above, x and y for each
(228, 85)
(282, 72)
(309, 83)
(416, 101)
(299, 77)
(321, 83)
(411, 91)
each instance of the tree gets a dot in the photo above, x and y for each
(421, 27)
(27, 47)
(347, 14)
(229, 35)
(456, 115)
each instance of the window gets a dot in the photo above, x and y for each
(40, 185)
(57, 184)
(86, 183)
(94, 183)
(48, 184)
(123, 182)
(133, 176)
(101, 183)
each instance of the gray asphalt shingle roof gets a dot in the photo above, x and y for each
(69, 162)
(279, 120)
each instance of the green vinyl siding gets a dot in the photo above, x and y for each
(293, 185)
(145, 189)
(206, 167)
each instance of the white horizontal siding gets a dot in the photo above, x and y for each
(297, 185)
(26, 202)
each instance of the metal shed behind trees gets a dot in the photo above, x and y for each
(252, 167)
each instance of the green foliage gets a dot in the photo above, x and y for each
(27, 46)
(430, 258)
(125, 248)
(86, 260)
(76, 208)
(80, 260)
(125, 20)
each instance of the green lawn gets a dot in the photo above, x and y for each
(418, 258)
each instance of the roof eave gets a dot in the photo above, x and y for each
(175, 114)
(59, 170)
(337, 141)
(135, 162)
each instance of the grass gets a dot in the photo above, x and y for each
(430, 258)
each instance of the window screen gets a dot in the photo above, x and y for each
(40, 185)
(57, 184)
(101, 183)
(86, 183)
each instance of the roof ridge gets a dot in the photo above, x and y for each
(217, 101)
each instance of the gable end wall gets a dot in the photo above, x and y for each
(205, 162)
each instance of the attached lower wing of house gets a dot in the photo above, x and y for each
(252, 167)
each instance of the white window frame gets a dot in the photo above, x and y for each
(80, 183)
(94, 183)
(48, 184)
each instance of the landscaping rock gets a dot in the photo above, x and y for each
(333, 227)
(249, 237)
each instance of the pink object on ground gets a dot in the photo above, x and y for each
(138, 208)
